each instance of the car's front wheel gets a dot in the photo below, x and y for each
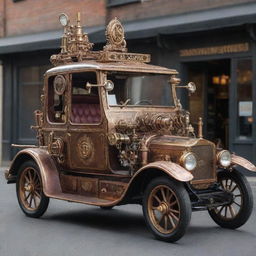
(29, 189)
(239, 210)
(167, 209)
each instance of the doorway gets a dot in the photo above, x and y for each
(211, 100)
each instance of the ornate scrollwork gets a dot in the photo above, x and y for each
(85, 147)
(115, 37)
(163, 123)
(76, 47)
(56, 148)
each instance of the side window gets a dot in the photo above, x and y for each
(56, 99)
(85, 105)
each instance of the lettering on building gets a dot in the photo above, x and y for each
(223, 49)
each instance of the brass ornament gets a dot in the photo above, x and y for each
(76, 47)
(115, 37)
(59, 84)
(163, 123)
(56, 148)
(85, 147)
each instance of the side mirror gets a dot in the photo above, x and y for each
(108, 85)
(191, 87)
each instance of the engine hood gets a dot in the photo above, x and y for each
(167, 141)
(171, 148)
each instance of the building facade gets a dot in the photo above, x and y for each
(209, 42)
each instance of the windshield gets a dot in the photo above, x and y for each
(140, 89)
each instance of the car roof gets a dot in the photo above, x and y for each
(111, 66)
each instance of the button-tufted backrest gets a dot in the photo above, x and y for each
(85, 109)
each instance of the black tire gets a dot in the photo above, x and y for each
(106, 207)
(165, 207)
(233, 216)
(29, 181)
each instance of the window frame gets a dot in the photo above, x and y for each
(65, 99)
(70, 101)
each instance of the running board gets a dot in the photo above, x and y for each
(76, 198)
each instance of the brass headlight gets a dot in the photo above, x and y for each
(188, 161)
(224, 158)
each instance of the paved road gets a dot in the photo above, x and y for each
(69, 229)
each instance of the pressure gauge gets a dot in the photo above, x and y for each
(64, 20)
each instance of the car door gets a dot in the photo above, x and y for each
(86, 130)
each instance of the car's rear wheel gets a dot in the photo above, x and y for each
(239, 210)
(29, 189)
(167, 209)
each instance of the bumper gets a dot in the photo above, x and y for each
(9, 177)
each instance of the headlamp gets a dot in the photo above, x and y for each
(224, 158)
(188, 161)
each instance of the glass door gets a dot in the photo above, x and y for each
(242, 134)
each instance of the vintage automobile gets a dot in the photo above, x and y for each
(104, 139)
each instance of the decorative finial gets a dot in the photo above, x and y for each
(75, 43)
(115, 37)
(76, 47)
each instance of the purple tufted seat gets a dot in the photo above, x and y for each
(85, 109)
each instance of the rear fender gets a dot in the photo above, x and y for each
(238, 160)
(47, 167)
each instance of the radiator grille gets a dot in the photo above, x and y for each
(205, 162)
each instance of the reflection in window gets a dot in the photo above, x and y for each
(244, 98)
(30, 81)
(140, 89)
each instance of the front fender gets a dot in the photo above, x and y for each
(47, 167)
(172, 169)
(243, 162)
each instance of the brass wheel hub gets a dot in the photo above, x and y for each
(163, 208)
(29, 188)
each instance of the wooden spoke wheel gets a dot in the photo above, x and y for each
(239, 210)
(167, 209)
(29, 190)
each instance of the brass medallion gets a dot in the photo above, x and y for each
(59, 84)
(115, 36)
(85, 147)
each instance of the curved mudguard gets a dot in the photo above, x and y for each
(48, 169)
(238, 160)
(172, 169)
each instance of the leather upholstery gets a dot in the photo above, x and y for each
(85, 110)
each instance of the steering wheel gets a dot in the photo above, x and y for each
(147, 102)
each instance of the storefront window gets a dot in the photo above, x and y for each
(244, 98)
(30, 86)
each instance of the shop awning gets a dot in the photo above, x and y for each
(215, 18)
(38, 41)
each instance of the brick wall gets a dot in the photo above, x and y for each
(29, 16)
(153, 8)
(2, 12)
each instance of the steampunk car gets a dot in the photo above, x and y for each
(105, 140)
